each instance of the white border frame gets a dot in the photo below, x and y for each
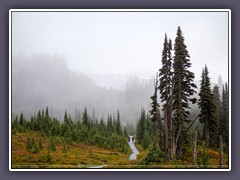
(120, 10)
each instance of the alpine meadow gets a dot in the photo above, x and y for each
(122, 90)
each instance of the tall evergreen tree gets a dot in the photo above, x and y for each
(217, 113)
(21, 120)
(141, 127)
(65, 118)
(85, 118)
(165, 88)
(118, 124)
(224, 124)
(46, 122)
(183, 89)
(206, 104)
(39, 121)
(155, 111)
(46, 113)
(110, 124)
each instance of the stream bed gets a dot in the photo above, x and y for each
(131, 144)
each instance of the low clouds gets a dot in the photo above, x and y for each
(122, 42)
(42, 80)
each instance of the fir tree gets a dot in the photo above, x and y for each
(39, 121)
(146, 140)
(46, 120)
(15, 123)
(224, 124)
(183, 89)
(155, 112)
(110, 124)
(165, 88)
(40, 144)
(21, 120)
(141, 127)
(206, 104)
(118, 124)
(85, 118)
(29, 144)
(217, 113)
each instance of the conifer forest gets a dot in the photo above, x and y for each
(182, 123)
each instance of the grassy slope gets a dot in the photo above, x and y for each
(83, 156)
(213, 161)
(77, 155)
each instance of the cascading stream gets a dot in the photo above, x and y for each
(131, 143)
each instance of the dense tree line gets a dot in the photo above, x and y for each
(107, 134)
(168, 136)
(176, 87)
(145, 130)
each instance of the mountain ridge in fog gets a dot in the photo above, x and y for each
(42, 81)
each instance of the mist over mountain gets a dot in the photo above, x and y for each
(39, 81)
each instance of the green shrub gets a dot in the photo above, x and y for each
(35, 149)
(40, 144)
(154, 156)
(29, 144)
(49, 157)
(64, 148)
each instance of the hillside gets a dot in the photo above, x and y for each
(77, 155)
(39, 81)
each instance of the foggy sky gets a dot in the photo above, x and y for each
(123, 42)
(39, 82)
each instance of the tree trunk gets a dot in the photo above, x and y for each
(159, 127)
(220, 152)
(207, 133)
(173, 146)
(170, 134)
(170, 124)
(194, 148)
(179, 142)
(166, 132)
